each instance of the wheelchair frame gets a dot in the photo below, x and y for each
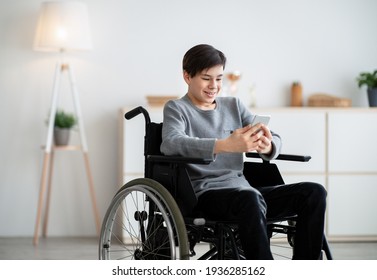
(160, 224)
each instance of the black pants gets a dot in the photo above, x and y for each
(251, 207)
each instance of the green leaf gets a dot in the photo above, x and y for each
(64, 120)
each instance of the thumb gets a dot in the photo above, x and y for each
(243, 129)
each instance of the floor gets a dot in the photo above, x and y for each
(74, 248)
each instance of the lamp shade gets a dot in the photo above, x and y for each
(63, 26)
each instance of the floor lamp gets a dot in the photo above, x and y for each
(62, 27)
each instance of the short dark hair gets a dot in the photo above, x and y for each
(202, 57)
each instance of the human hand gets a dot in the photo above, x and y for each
(246, 139)
(263, 140)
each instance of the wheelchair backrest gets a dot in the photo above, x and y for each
(172, 176)
(153, 138)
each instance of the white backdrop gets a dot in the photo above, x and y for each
(138, 48)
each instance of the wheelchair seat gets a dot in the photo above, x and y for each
(164, 223)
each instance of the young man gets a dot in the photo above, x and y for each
(201, 124)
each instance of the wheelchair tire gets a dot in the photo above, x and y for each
(143, 221)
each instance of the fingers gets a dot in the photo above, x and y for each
(264, 142)
(260, 130)
(263, 139)
(256, 129)
(264, 145)
(267, 132)
(243, 130)
(252, 138)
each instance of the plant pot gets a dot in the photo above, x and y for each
(61, 136)
(372, 97)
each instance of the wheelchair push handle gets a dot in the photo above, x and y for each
(136, 111)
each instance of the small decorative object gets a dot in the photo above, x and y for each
(233, 78)
(326, 100)
(62, 127)
(159, 100)
(369, 80)
(296, 94)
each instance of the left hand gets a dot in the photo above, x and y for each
(263, 139)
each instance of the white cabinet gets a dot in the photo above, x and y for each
(352, 173)
(344, 159)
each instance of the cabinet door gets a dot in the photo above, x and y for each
(302, 133)
(352, 141)
(352, 205)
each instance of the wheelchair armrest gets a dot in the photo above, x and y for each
(178, 159)
(287, 157)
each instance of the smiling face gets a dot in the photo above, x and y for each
(204, 87)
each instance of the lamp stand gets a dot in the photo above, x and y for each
(48, 158)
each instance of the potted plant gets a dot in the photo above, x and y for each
(369, 80)
(64, 122)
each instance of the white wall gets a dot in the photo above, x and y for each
(138, 47)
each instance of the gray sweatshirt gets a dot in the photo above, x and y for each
(191, 132)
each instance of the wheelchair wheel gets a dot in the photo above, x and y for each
(143, 222)
(282, 240)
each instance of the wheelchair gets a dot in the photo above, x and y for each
(154, 218)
